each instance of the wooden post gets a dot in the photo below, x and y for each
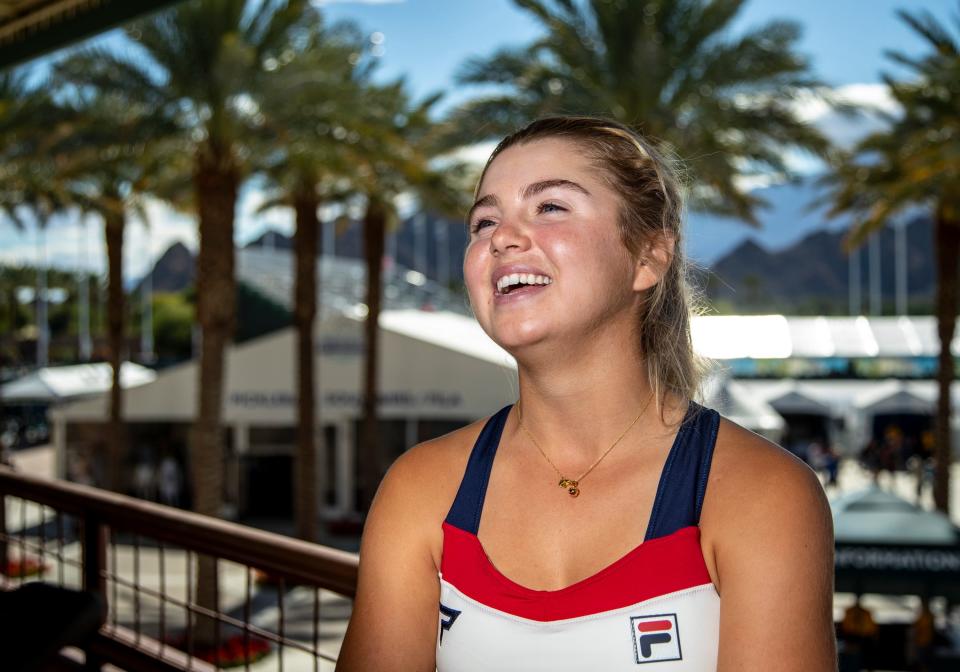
(94, 562)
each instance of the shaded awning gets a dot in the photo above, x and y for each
(32, 28)
(888, 545)
(902, 401)
(796, 402)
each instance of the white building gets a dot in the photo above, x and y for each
(439, 371)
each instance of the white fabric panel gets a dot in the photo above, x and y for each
(483, 639)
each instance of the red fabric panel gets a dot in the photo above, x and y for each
(654, 568)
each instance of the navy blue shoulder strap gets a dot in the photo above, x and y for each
(683, 481)
(468, 505)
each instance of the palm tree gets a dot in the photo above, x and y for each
(28, 182)
(396, 151)
(205, 62)
(18, 109)
(307, 104)
(917, 161)
(666, 67)
(105, 161)
(345, 138)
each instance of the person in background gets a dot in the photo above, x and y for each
(870, 459)
(169, 481)
(822, 458)
(858, 633)
(921, 637)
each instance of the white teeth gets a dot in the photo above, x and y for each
(521, 278)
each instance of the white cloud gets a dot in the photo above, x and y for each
(845, 130)
(842, 129)
(476, 154)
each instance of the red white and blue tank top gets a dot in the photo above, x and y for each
(656, 606)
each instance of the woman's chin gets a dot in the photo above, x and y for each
(518, 341)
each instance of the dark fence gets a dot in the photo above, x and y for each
(183, 591)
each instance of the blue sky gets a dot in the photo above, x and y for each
(427, 41)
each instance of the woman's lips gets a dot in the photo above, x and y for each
(519, 294)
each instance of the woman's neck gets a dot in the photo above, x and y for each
(579, 402)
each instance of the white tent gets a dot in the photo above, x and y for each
(434, 364)
(438, 370)
(55, 384)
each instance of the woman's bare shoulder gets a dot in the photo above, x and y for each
(426, 477)
(749, 470)
(397, 588)
(442, 457)
(768, 542)
(759, 491)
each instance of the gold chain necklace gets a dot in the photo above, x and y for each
(572, 485)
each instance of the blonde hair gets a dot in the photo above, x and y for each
(651, 212)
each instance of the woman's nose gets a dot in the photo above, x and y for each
(509, 234)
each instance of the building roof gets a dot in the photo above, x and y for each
(32, 28)
(781, 337)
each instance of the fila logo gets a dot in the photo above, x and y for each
(656, 638)
(447, 617)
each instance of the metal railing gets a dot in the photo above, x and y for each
(267, 598)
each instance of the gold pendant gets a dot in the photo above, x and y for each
(571, 486)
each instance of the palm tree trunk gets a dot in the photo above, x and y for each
(948, 256)
(114, 224)
(305, 312)
(215, 182)
(371, 460)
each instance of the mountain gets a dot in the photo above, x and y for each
(794, 265)
(813, 273)
(794, 209)
(174, 271)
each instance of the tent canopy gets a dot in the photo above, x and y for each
(902, 401)
(887, 545)
(877, 517)
(797, 402)
(60, 383)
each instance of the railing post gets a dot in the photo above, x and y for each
(4, 557)
(94, 581)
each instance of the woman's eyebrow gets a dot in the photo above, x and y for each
(482, 202)
(543, 185)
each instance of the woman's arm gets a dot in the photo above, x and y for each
(395, 614)
(773, 551)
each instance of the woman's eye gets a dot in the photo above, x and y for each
(480, 224)
(550, 207)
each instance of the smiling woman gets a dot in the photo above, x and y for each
(675, 537)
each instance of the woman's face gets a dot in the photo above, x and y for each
(544, 216)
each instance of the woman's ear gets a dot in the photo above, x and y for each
(653, 261)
